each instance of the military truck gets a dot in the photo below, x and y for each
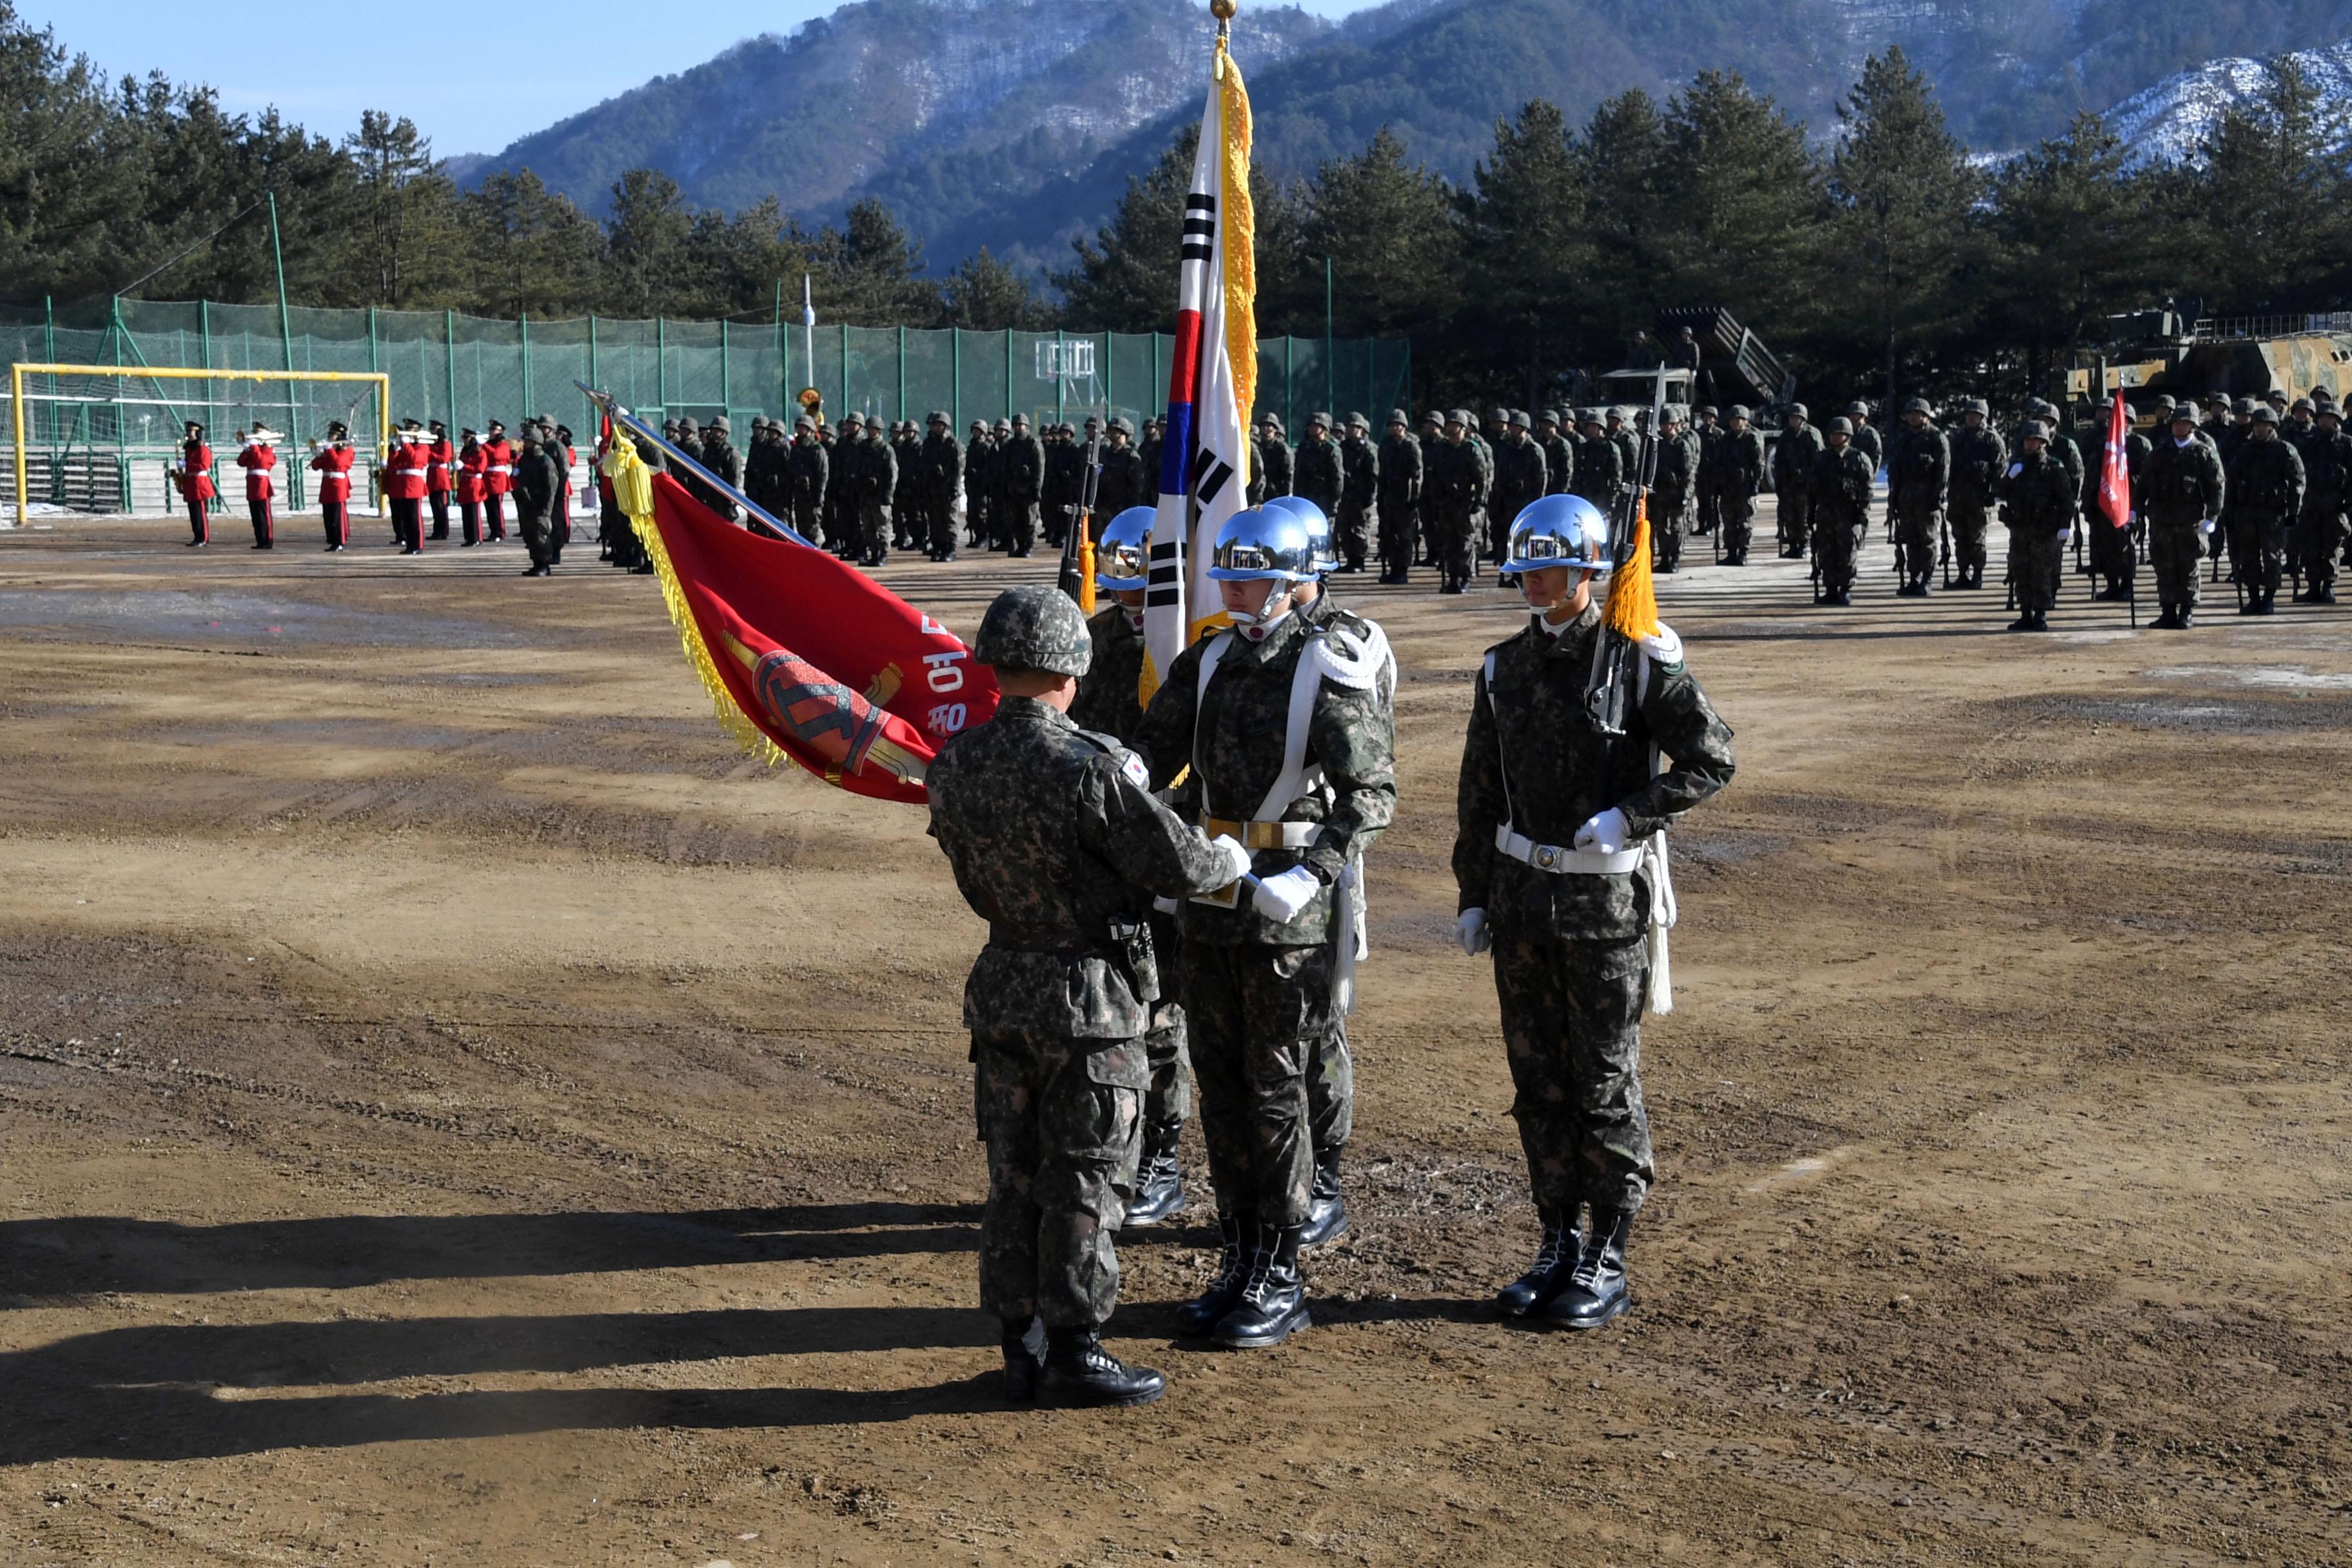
(2191, 356)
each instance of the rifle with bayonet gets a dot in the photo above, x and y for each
(1605, 699)
(1077, 578)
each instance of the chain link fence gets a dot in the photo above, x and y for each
(468, 370)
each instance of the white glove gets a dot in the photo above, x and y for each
(1664, 649)
(1281, 898)
(2066, 535)
(1471, 932)
(1237, 860)
(1608, 833)
(2205, 527)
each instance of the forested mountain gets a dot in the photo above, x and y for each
(1015, 123)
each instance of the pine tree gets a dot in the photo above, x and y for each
(984, 295)
(2074, 241)
(646, 242)
(1387, 226)
(869, 273)
(532, 250)
(2274, 191)
(1903, 188)
(1528, 260)
(1742, 198)
(1622, 158)
(402, 240)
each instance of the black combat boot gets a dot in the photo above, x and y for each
(1548, 1275)
(1326, 1208)
(1201, 1314)
(2323, 593)
(1024, 1347)
(1078, 1370)
(1596, 1290)
(2187, 616)
(2169, 620)
(1159, 1188)
(1273, 1304)
(2265, 603)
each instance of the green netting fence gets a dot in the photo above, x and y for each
(468, 370)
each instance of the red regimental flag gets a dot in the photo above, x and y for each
(809, 654)
(2115, 469)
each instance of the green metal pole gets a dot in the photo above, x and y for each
(726, 369)
(1061, 370)
(122, 458)
(784, 353)
(661, 365)
(449, 356)
(1008, 372)
(902, 373)
(955, 369)
(594, 380)
(49, 353)
(285, 336)
(1289, 376)
(524, 321)
(1329, 399)
(1110, 362)
(845, 369)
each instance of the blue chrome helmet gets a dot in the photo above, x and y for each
(1318, 528)
(1560, 531)
(1260, 545)
(1123, 558)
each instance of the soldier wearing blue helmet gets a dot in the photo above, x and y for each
(1281, 723)
(1561, 862)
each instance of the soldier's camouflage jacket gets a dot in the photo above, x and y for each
(943, 470)
(1400, 471)
(1364, 481)
(1319, 474)
(1057, 844)
(1867, 442)
(1919, 469)
(2184, 484)
(2266, 477)
(1560, 463)
(1677, 478)
(1122, 482)
(1109, 695)
(1739, 462)
(2038, 496)
(1792, 458)
(1232, 739)
(1020, 467)
(1977, 458)
(1599, 468)
(1453, 477)
(1840, 484)
(1555, 770)
(1519, 475)
(2327, 472)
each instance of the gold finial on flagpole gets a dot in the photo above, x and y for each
(1222, 10)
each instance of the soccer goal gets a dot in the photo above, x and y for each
(105, 437)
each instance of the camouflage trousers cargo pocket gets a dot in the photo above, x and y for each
(1063, 1120)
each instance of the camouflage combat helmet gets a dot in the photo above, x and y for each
(1035, 627)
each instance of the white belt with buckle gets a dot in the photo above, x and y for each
(1263, 835)
(1562, 861)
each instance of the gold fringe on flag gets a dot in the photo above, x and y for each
(633, 488)
(1632, 611)
(1240, 218)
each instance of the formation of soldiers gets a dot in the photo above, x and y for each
(1174, 894)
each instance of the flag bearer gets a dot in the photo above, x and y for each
(1561, 873)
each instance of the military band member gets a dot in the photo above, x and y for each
(1560, 867)
(1056, 840)
(331, 460)
(194, 475)
(438, 481)
(404, 488)
(473, 485)
(258, 458)
(1278, 727)
(498, 479)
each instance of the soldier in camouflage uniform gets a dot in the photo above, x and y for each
(1919, 474)
(1123, 483)
(1792, 481)
(1560, 873)
(1673, 492)
(1431, 435)
(2183, 495)
(1600, 467)
(1629, 447)
(1274, 465)
(1738, 476)
(940, 485)
(1020, 476)
(1110, 703)
(2265, 494)
(1977, 458)
(2327, 489)
(978, 452)
(877, 488)
(1399, 500)
(847, 458)
(2038, 497)
(1147, 451)
(1320, 472)
(1261, 975)
(807, 464)
(1559, 453)
(1358, 496)
(1520, 478)
(1866, 438)
(1051, 832)
(1838, 504)
(1456, 483)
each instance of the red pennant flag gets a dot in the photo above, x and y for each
(2115, 469)
(806, 654)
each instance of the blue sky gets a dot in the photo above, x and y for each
(461, 85)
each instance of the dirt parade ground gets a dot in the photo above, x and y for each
(456, 1108)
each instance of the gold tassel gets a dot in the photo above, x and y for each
(1632, 611)
(632, 480)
